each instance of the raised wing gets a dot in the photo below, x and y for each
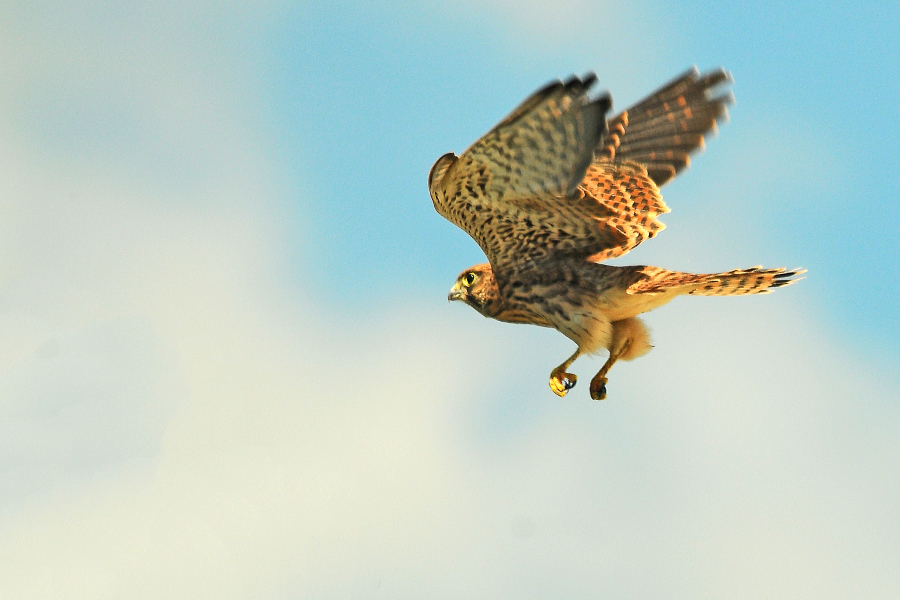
(551, 180)
(516, 190)
(661, 131)
(647, 145)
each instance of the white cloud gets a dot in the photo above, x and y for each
(744, 465)
(177, 422)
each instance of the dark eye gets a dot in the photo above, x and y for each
(469, 278)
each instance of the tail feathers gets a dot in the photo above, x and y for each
(755, 280)
(746, 281)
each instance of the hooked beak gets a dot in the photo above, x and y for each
(455, 294)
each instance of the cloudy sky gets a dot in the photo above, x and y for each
(228, 368)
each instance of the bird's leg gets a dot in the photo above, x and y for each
(598, 383)
(560, 381)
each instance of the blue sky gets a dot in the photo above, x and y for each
(397, 85)
(228, 368)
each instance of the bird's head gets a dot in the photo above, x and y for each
(477, 287)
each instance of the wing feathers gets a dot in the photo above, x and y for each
(664, 129)
(554, 179)
(674, 143)
(631, 202)
(515, 191)
(546, 144)
(554, 90)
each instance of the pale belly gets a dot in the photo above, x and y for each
(584, 307)
(618, 304)
(592, 328)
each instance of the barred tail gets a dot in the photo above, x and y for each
(755, 280)
(746, 281)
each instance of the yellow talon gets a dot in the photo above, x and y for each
(561, 382)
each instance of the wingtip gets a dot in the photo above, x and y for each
(576, 83)
(605, 101)
(725, 73)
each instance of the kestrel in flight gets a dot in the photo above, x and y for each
(555, 188)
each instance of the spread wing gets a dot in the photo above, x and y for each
(516, 190)
(661, 131)
(646, 146)
(551, 181)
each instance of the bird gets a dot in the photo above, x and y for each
(557, 187)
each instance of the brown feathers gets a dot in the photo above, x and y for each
(631, 199)
(551, 180)
(664, 129)
(551, 191)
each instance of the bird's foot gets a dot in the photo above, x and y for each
(598, 388)
(561, 382)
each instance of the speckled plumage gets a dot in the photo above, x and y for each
(554, 189)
